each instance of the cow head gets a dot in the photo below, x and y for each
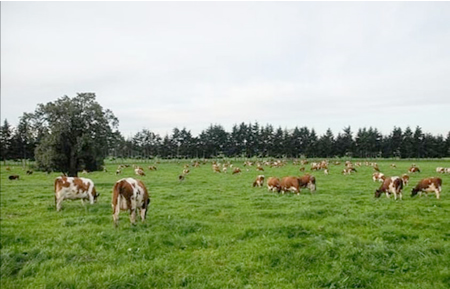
(414, 192)
(378, 193)
(95, 195)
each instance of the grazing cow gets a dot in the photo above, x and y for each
(73, 188)
(185, 171)
(139, 172)
(394, 166)
(405, 179)
(216, 168)
(130, 194)
(118, 172)
(181, 178)
(391, 185)
(29, 172)
(348, 171)
(259, 168)
(236, 170)
(259, 182)
(377, 176)
(302, 169)
(273, 184)
(307, 181)
(290, 184)
(13, 177)
(152, 168)
(428, 185)
(414, 169)
(326, 171)
(8, 168)
(440, 170)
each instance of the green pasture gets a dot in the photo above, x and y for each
(217, 231)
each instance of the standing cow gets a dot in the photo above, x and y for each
(259, 181)
(273, 184)
(428, 185)
(130, 194)
(391, 185)
(73, 188)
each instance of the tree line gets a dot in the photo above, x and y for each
(73, 133)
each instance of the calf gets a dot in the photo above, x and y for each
(13, 177)
(391, 185)
(73, 188)
(273, 184)
(428, 185)
(259, 182)
(130, 194)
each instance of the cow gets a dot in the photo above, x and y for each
(391, 185)
(259, 181)
(259, 168)
(377, 176)
(273, 184)
(118, 172)
(130, 194)
(152, 168)
(216, 168)
(236, 170)
(181, 177)
(73, 188)
(394, 166)
(185, 171)
(290, 184)
(29, 172)
(139, 172)
(13, 177)
(440, 170)
(326, 171)
(307, 181)
(405, 179)
(428, 185)
(414, 169)
(348, 170)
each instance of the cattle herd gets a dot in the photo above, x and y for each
(129, 194)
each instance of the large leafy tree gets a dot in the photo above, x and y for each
(76, 133)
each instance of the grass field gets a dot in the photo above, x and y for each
(217, 231)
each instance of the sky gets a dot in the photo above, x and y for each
(161, 65)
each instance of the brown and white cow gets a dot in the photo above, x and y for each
(391, 185)
(405, 179)
(348, 171)
(130, 194)
(72, 188)
(307, 181)
(236, 170)
(377, 176)
(273, 184)
(290, 184)
(139, 171)
(414, 169)
(428, 185)
(259, 181)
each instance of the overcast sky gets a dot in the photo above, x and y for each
(160, 65)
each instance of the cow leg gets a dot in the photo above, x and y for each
(59, 204)
(401, 195)
(387, 195)
(133, 216)
(116, 214)
(143, 214)
(82, 202)
(438, 194)
(395, 196)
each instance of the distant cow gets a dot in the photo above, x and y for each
(73, 188)
(29, 172)
(185, 171)
(414, 169)
(273, 184)
(152, 168)
(391, 185)
(236, 170)
(139, 172)
(13, 177)
(377, 176)
(428, 185)
(348, 171)
(405, 179)
(259, 182)
(130, 194)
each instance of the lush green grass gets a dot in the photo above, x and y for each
(217, 231)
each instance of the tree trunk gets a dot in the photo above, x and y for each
(73, 172)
